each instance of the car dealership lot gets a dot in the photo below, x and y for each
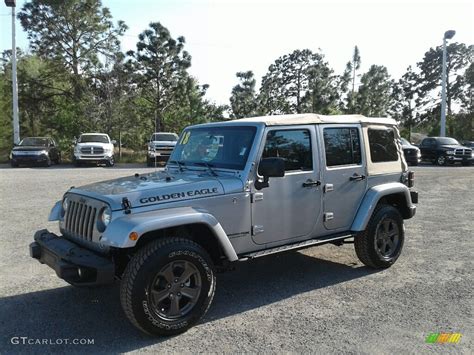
(320, 299)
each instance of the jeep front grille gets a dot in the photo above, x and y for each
(80, 220)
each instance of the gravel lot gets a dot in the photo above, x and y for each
(319, 300)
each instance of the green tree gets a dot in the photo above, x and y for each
(74, 33)
(349, 78)
(459, 56)
(161, 64)
(373, 98)
(243, 97)
(405, 100)
(296, 83)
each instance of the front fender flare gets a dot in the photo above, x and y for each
(372, 197)
(117, 233)
(55, 214)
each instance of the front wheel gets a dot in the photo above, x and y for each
(168, 286)
(380, 245)
(441, 160)
(110, 162)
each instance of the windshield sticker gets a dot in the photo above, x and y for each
(185, 138)
(179, 195)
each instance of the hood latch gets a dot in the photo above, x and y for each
(126, 205)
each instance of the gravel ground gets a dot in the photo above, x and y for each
(318, 300)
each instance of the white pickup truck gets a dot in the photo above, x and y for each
(94, 148)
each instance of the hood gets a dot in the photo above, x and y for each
(165, 143)
(159, 187)
(29, 148)
(409, 146)
(452, 146)
(91, 144)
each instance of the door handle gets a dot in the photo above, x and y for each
(311, 183)
(357, 177)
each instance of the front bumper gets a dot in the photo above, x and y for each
(29, 159)
(453, 158)
(92, 158)
(73, 263)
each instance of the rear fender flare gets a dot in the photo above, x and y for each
(372, 198)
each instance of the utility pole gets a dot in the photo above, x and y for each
(16, 120)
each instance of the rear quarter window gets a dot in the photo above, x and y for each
(382, 145)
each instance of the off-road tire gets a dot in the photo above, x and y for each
(365, 243)
(142, 270)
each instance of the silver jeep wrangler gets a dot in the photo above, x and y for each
(233, 191)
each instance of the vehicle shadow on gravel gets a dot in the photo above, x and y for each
(95, 313)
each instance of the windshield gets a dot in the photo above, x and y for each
(219, 147)
(97, 138)
(164, 137)
(448, 141)
(30, 141)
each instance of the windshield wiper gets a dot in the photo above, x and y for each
(208, 166)
(179, 163)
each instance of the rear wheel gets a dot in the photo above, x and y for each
(168, 286)
(380, 245)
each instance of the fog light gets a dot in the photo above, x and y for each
(133, 236)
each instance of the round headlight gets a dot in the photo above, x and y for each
(105, 216)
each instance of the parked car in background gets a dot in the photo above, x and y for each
(469, 144)
(444, 150)
(94, 148)
(411, 152)
(35, 150)
(160, 147)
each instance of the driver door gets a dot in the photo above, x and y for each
(290, 207)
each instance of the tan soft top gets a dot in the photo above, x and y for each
(312, 118)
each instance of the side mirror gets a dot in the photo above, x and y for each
(113, 141)
(269, 167)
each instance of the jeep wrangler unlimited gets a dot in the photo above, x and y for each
(232, 191)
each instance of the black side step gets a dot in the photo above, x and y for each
(295, 246)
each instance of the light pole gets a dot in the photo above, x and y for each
(447, 35)
(16, 121)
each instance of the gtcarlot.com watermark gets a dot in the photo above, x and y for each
(51, 341)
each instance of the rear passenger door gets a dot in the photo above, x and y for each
(344, 174)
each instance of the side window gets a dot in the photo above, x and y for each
(382, 145)
(294, 146)
(342, 146)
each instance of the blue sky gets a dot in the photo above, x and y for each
(227, 36)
